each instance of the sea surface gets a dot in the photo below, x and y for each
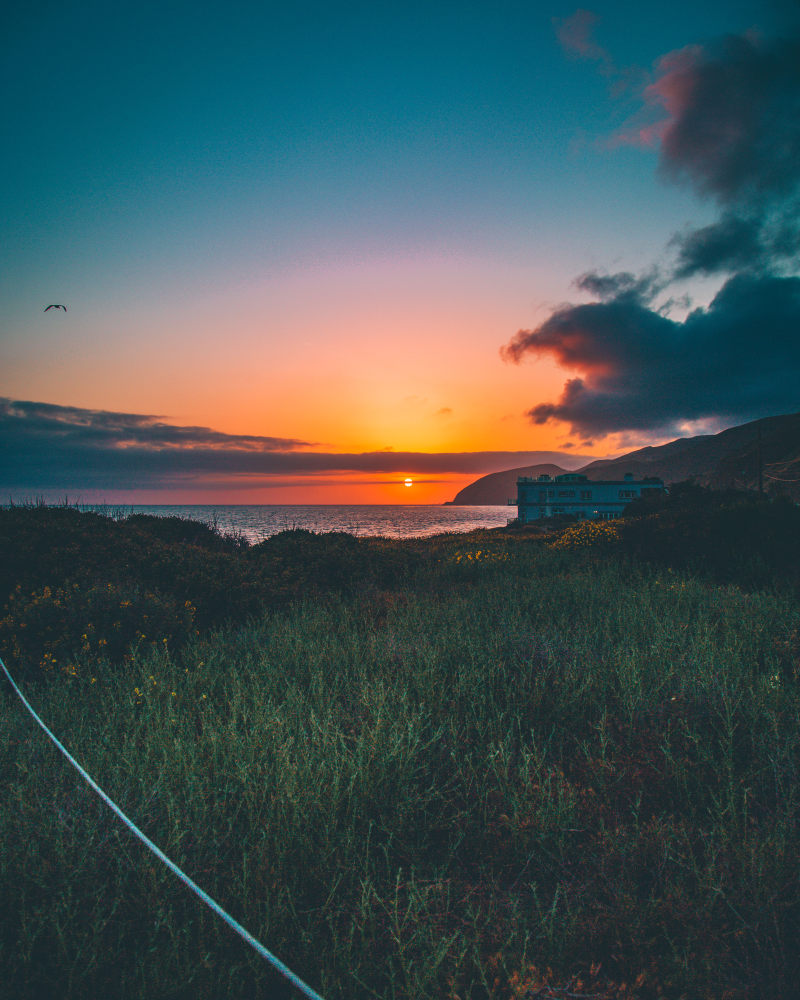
(259, 521)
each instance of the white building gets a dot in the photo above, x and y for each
(578, 497)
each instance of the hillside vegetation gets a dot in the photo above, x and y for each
(766, 449)
(497, 765)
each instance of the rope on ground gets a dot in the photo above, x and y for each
(234, 924)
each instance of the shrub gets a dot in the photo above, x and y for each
(55, 628)
(743, 539)
(76, 582)
(299, 563)
(181, 531)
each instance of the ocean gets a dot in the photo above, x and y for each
(258, 521)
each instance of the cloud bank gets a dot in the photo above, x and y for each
(643, 371)
(726, 118)
(100, 429)
(45, 447)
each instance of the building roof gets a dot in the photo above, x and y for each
(576, 477)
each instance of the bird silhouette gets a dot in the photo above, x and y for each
(55, 305)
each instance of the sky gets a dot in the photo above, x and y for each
(311, 253)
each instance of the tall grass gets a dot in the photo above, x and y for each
(512, 769)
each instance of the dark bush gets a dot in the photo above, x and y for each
(65, 574)
(181, 531)
(309, 562)
(740, 538)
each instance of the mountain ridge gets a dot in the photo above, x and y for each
(729, 459)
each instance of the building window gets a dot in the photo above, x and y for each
(566, 493)
(627, 494)
(586, 494)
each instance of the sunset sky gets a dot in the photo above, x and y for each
(309, 252)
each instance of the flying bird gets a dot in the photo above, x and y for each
(55, 305)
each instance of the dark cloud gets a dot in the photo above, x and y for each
(738, 243)
(732, 132)
(737, 359)
(620, 286)
(733, 125)
(49, 447)
(730, 244)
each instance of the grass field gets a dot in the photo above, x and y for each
(479, 766)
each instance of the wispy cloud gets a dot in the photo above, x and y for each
(106, 429)
(577, 35)
(45, 446)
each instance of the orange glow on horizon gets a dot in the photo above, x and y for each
(349, 357)
(387, 356)
(353, 488)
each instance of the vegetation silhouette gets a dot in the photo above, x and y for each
(494, 766)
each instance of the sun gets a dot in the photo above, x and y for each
(409, 482)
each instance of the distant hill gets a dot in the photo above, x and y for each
(500, 487)
(727, 459)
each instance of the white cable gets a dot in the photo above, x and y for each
(241, 931)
